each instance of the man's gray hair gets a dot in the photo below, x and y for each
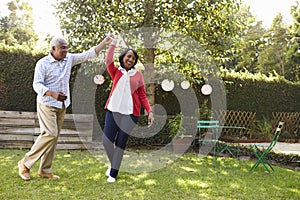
(56, 41)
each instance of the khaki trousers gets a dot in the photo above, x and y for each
(51, 121)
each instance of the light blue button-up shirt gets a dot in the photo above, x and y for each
(54, 75)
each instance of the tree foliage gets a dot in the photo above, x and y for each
(213, 23)
(293, 53)
(16, 29)
(272, 52)
(247, 47)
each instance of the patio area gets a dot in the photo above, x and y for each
(283, 147)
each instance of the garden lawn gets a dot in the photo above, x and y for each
(189, 177)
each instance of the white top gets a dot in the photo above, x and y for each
(121, 98)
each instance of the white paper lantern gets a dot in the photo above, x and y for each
(167, 85)
(185, 85)
(206, 89)
(99, 79)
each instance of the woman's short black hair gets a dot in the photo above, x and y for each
(124, 53)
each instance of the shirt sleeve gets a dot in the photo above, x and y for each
(143, 96)
(111, 68)
(79, 58)
(39, 80)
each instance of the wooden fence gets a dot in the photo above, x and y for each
(235, 118)
(290, 119)
(20, 130)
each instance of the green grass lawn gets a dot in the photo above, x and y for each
(189, 177)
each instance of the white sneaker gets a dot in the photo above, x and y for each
(107, 173)
(111, 179)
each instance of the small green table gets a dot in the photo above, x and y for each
(214, 126)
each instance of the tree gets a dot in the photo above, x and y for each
(272, 53)
(17, 28)
(212, 23)
(247, 47)
(293, 53)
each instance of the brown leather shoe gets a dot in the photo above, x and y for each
(50, 176)
(24, 172)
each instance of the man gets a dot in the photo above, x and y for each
(51, 83)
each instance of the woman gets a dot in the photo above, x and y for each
(123, 106)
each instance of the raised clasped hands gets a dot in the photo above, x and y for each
(110, 39)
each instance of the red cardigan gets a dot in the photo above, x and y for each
(137, 86)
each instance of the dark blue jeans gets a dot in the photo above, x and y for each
(117, 128)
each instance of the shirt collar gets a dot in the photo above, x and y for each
(130, 72)
(52, 59)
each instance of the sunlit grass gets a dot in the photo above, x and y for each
(189, 177)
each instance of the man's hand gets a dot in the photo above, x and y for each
(59, 96)
(109, 38)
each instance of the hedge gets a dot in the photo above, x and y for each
(260, 96)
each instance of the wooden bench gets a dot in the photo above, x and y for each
(20, 130)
